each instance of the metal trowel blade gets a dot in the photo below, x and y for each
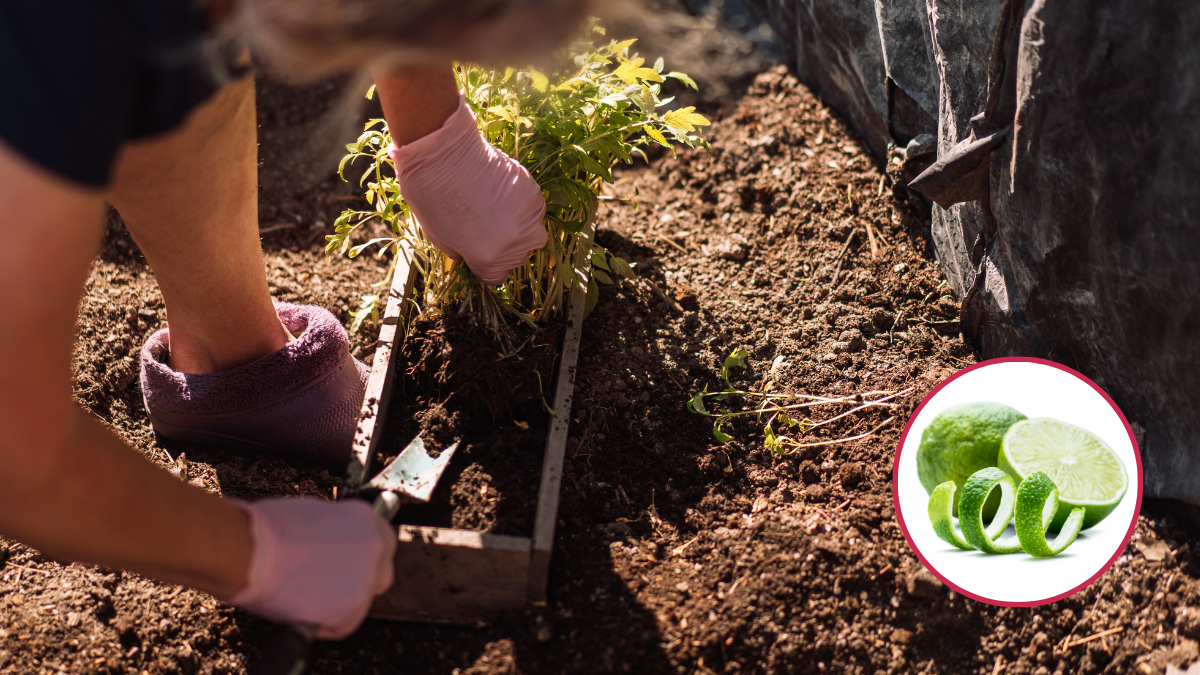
(413, 474)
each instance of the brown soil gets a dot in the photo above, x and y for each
(675, 554)
(462, 383)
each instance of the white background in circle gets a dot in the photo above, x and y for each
(1036, 390)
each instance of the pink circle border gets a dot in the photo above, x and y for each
(1137, 455)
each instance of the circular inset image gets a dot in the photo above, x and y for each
(1017, 482)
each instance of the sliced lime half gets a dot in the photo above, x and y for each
(1086, 471)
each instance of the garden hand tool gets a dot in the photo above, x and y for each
(411, 476)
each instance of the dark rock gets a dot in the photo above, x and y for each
(686, 296)
(816, 493)
(924, 145)
(853, 339)
(947, 306)
(809, 473)
(882, 319)
(851, 474)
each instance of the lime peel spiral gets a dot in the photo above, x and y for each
(1034, 504)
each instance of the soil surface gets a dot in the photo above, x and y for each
(462, 383)
(675, 554)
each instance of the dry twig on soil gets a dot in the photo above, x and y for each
(1097, 636)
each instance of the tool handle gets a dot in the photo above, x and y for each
(289, 652)
(387, 505)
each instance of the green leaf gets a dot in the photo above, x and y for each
(682, 77)
(540, 81)
(685, 119)
(591, 164)
(593, 296)
(771, 441)
(656, 135)
(659, 64)
(573, 226)
(720, 435)
(342, 165)
(614, 147)
(696, 403)
(643, 98)
(360, 248)
(604, 278)
(618, 47)
(623, 268)
(558, 195)
(505, 114)
(370, 95)
(613, 99)
(736, 359)
(367, 308)
(332, 244)
(631, 71)
(598, 260)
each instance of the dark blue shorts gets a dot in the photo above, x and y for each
(80, 77)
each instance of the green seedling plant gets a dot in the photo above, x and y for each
(569, 128)
(786, 422)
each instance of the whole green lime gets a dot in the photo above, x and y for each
(961, 440)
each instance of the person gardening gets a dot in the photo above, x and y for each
(136, 103)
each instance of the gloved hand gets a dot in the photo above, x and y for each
(474, 202)
(316, 563)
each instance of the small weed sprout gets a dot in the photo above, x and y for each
(781, 409)
(569, 129)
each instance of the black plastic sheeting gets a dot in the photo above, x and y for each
(1066, 214)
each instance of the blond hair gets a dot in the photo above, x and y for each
(310, 39)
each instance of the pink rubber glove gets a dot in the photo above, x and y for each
(316, 563)
(474, 202)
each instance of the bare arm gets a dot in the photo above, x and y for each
(416, 99)
(68, 487)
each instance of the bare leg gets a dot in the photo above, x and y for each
(190, 200)
(68, 486)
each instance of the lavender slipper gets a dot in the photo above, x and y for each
(300, 402)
